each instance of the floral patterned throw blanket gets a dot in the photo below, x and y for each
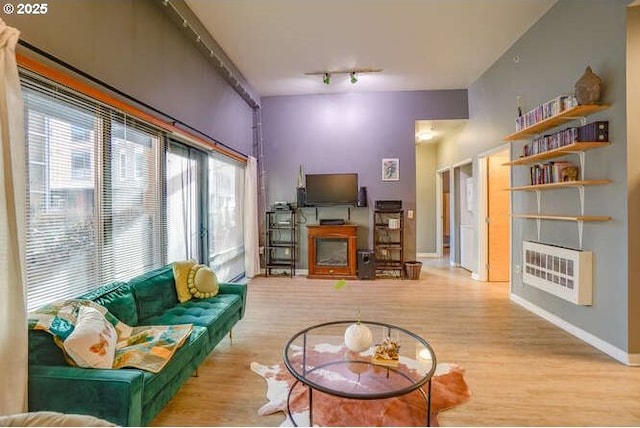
(144, 347)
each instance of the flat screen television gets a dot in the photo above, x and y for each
(331, 189)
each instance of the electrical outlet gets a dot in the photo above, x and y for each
(261, 250)
(517, 269)
(410, 214)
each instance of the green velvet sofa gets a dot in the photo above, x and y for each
(131, 397)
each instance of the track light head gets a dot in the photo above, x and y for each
(353, 74)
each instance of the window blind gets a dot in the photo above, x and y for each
(131, 204)
(94, 204)
(106, 202)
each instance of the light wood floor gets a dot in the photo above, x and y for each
(522, 370)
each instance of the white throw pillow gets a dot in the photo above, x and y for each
(92, 343)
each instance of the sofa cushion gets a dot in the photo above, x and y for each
(154, 292)
(209, 313)
(43, 350)
(118, 299)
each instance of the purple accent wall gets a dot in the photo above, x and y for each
(351, 133)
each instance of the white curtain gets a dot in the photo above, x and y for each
(13, 317)
(182, 205)
(251, 228)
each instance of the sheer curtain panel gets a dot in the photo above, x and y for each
(13, 318)
(251, 227)
(226, 217)
(183, 203)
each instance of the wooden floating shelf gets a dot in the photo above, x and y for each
(553, 121)
(582, 146)
(564, 217)
(560, 185)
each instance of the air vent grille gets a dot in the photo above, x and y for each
(563, 272)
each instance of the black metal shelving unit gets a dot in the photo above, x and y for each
(280, 242)
(388, 241)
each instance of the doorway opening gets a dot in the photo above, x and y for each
(463, 216)
(433, 186)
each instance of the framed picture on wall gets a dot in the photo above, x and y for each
(390, 169)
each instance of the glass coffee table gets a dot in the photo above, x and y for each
(318, 358)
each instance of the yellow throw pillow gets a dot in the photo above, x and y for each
(181, 275)
(202, 282)
(93, 340)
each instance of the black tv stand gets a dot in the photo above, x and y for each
(331, 221)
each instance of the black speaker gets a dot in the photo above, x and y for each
(366, 264)
(362, 197)
(301, 196)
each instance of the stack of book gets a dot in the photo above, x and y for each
(596, 131)
(553, 172)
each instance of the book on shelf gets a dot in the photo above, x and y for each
(595, 131)
(553, 172)
(544, 111)
(557, 169)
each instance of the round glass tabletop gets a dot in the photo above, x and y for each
(318, 357)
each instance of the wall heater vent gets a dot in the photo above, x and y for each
(563, 272)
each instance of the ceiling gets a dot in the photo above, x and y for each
(418, 44)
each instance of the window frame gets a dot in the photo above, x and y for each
(103, 102)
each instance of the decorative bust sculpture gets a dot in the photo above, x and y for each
(588, 88)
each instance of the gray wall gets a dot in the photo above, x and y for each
(134, 46)
(552, 56)
(351, 133)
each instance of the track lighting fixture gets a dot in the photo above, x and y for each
(353, 74)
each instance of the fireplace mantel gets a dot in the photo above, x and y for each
(343, 239)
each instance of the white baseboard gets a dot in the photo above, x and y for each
(596, 342)
(475, 276)
(454, 264)
(427, 255)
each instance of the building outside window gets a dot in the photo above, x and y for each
(81, 165)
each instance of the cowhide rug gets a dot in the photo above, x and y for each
(448, 389)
